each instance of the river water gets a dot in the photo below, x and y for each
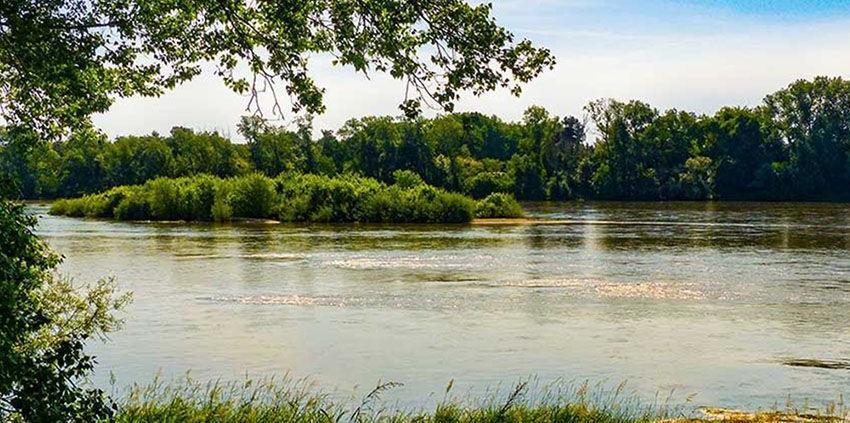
(704, 301)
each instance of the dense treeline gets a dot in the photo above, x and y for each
(291, 197)
(794, 146)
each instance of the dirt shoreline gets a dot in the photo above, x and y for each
(710, 414)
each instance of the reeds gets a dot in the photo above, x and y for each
(288, 401)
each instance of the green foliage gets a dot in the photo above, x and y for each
(351, 198)
(420, 204)
(407, 179)
(765, 153)
(199, 198)
(486, 183)
(134, 160)
(87, 163)
(275, 150)
(81, 169)
(45, 322)
(65, 60)
(498, 205)
(135, 206)
(810, 117)
(742, 149)
(529, 177)
(696, 182)
(252, 196)
(290, 197)
(324, 199)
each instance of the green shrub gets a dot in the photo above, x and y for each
(498, 205)
(485, 183)
(407, 179)
(290, 197)
(63, 208)
(422, 204)
(95, 205)
(253, 195)
(164, 198)
(221, 211)
(46, 323)
(199, 198)
(324, 199)
(134, 206)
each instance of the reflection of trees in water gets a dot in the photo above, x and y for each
(709, 224)
(665, 236)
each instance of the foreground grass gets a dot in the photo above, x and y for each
(268, 401)
(290, 198)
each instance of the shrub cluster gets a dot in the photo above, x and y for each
(290, 197)
(498, 205)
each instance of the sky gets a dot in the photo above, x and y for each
(696, 55)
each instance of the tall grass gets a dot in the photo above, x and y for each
(289, 197)
(270, 401)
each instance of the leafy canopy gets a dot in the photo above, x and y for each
(63, 60)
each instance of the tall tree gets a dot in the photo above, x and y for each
(623, 168)
(743, 152)
(812, 119)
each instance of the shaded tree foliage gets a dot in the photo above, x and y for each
(45, 323)
(63, 60)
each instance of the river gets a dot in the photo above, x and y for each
(706, 301)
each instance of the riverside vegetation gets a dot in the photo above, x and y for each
(794, 146)
(289, 198)
(270, 401)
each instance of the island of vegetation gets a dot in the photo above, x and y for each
(288, 198)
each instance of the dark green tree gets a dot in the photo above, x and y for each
(82, 169)
(45, 323)
(811, 119)
(204, 152)
(134, 160)
(32, 170)
(622, 169)
(666, 146)
(562, 157)
(274, 150)
(743, 152)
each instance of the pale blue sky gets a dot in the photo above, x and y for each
(691, 54)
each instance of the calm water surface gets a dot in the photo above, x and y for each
(705, 299)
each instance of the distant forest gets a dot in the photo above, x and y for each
(794, 146)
